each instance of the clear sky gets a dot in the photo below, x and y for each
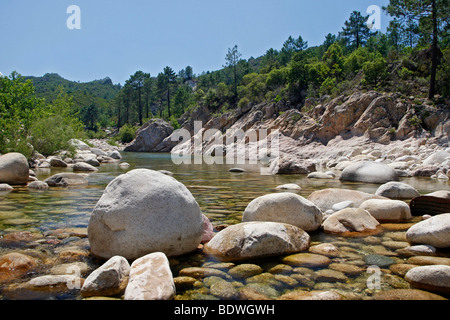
(119, 37)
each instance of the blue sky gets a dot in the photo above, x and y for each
(119, 37)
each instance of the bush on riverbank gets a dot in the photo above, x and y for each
(28, 124)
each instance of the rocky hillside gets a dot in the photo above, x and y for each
(324, 129)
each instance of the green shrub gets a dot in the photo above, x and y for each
(327, 86)
(243, 102)
(127, 133)
(174, 122)
(405, 74)
(50, 135)
(375, 71)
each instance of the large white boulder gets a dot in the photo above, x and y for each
(145, 211)
(434, 231)
(286, 207)
(14, 169)
(369, 172)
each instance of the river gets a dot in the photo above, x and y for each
(222, 196)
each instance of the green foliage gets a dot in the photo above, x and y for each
(29, 124)
(174, 123)
(52, 134)
(127, 133)
(277, 78)
(375, 71)
(443, 75)
(327, 86)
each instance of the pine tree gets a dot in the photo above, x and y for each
(356, 30)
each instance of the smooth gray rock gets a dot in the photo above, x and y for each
(150, 136)
(369, 172)
(350, 220)
(257, 239)
(108, 280)
(66, 179)
(397, 190)
(14, 169)
(285, 207)
(434, 231)
(433, 278)
(145, 211)
(387, 210)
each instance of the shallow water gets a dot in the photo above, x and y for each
(222, 196)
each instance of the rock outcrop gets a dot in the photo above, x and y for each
(151, 136)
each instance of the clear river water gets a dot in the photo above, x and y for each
(223, 197)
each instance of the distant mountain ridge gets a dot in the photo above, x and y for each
(48, 86)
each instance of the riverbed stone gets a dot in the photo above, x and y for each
(289, 186)
(325, 199)
(311, 295)
(4, 187)
(14, 169)
(203, 272)
(369, 172)
(319, 175)
(110, 279)
(287, 208)
(14, 265)
(346, 268)
(434, 231)
(329, 275)
(57, 162)
(38, 185)
(431, 278)
(245, 270)
(307, 260)
(397, 190)
(208, 229)
(55, 284)
(350, 220)
(150, 279)
(224, 290)
(66, 179)
(387, 210)
(326, 249)
(145, 211)
(440, 194)
(406, 294)
(401, 269)
(417, 250)
(428, 260)
(184, 283)
(378, 260)
(84, 167)
(257, 239)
